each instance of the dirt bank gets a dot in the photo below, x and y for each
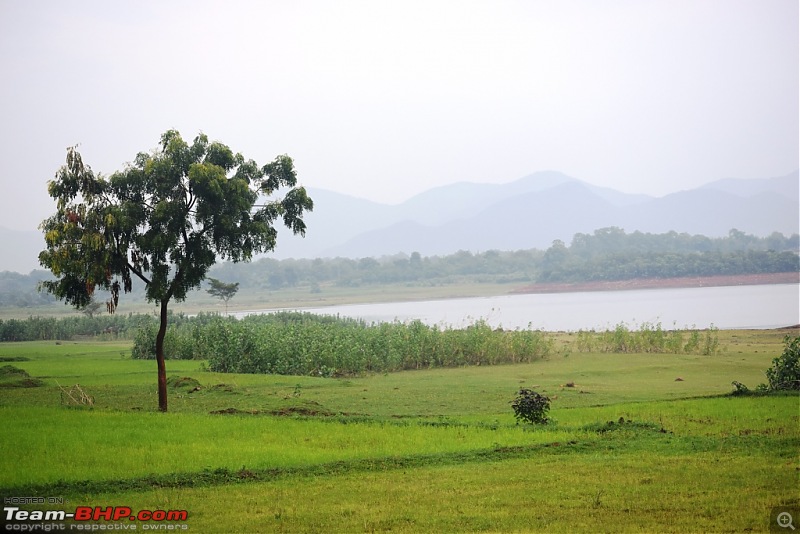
(663, 283)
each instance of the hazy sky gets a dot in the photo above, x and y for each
(384, 99)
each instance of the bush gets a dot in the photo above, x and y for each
(739, 389)
(100, 327)
(785, 371)
(531, 407)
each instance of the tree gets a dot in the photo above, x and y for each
(164, 219)
(90, 309)
(222, 291)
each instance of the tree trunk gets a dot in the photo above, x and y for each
(162, 368)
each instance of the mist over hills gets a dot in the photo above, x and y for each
(534, 211)
(527, 213)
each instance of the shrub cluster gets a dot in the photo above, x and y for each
(785, 371)
(296, 343)
(65, 328)
(531, 407)
(649, 338)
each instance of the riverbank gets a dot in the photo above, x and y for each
(662, 283)
(331, 296)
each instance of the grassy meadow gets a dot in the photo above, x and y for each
(637, 442)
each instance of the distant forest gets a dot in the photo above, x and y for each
(606, 254)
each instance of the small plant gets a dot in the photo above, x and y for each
(739, 388)
(711, 342)
(596, 502)
(785, 371)
(531, 407)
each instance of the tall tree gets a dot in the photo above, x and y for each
(222, 291)
(164, 219)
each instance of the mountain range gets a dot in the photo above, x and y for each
(527, 213)
(534, 211)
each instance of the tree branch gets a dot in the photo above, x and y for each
(138, 273)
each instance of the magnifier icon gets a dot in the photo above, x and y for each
(785, 520)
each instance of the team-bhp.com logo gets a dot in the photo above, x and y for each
(86, 518)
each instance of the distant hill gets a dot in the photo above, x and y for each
(534, 211)
(527, 213)
(787, 186)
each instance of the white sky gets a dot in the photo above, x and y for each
(384, 99)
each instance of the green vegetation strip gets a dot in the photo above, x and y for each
(615, 437)
(219, 476)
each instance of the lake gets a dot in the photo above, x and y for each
(750, 306)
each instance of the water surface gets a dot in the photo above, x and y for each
(760, 306)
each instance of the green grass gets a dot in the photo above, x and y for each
(643, 488)
(127, 445)
(469, 393)
(417, 451)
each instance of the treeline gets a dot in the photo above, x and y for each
(564, 266)
(606, 254)
(492, 266)
(22, 290)
(611, 254)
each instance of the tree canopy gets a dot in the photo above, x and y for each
(222, 291)
(165, 219)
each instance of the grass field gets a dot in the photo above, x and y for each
(638, 443)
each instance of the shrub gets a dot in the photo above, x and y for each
(785, 371)
(531, 407)
(739, 389)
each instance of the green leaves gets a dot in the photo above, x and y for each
(165, 218)
(785, 371)
(294, 204)
(278, 174)
(531, 407)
